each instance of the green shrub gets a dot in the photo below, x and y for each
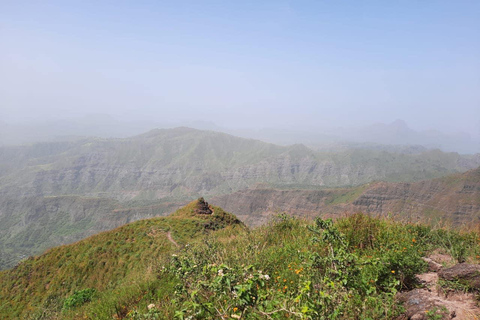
(78, 298)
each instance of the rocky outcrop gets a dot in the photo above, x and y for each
(421, 304)
(433, 265)
(203, 207)
(464, 273)
(434, 302)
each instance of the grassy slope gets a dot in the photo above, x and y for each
(104, 261)
(28, 226)
(222, 272)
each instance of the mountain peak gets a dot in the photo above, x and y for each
(399, 124)
(216, 217)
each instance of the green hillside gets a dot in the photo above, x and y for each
(106, 262)
(29, 226)
(203, 263)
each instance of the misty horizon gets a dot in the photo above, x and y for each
(299, 66)
(396, 133)
(162, 123)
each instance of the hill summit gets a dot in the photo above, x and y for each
(108, 261)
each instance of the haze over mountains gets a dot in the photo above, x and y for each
(182, 161)
(59, 192)
(126, 127)
(394, 136)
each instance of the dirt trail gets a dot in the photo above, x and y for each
(170, 238)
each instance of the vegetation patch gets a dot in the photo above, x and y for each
(78, 298)
(351, 268)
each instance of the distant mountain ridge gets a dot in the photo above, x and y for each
(59, 192)
(185, 162)
(398, 133)
(378, 136)
(384, 136)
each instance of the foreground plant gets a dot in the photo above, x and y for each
(331, 281)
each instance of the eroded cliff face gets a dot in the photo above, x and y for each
(184, 162)
(454, 199)
(257, 206)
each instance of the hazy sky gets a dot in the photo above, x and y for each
(244, 63)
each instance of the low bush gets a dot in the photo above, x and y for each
(78, 298)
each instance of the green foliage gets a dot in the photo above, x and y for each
(152, 314)
(78, 298)
(283, 222)
(437, 313)
(345, 269)
(456, 285)
(325, 277)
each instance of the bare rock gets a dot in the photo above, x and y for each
(418, 303)
(433, 301)
(445, 260)
(428, 279)
(437, 261)
(422, 304)
(433, 265)
(465, 273)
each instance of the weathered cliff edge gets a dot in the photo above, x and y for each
(454, 199)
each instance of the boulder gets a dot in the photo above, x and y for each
(465, 273)
(419, 302)
(433, 265)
